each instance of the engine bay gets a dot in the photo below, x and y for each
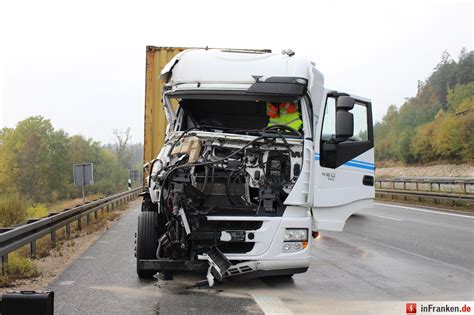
(201, 174)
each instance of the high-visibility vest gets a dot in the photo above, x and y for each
(292, 120)
(288, 115)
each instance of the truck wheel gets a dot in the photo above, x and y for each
(148, 205)
(147, 241)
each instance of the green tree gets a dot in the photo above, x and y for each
(436, 123)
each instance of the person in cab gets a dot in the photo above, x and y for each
(284, 113)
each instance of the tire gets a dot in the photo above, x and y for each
(147, 241)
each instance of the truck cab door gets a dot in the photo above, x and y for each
(344, 161)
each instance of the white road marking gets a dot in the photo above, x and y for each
(105, 242)
(381, 216)
(270, 304)
(70, 282)
(424, 210)
(86, 257)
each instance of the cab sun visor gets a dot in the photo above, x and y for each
(283, 86)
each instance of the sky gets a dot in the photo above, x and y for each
(82, 63)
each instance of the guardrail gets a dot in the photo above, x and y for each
(463, 185)
(12, 238)
(457, 191)
(455, 199)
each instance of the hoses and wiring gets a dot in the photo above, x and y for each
(169, 172)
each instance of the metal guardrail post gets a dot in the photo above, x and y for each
(96, 215)
(68, 230)
(4, 262)
(79, 223)
(88, 219)
(53, 238)
(33, 249)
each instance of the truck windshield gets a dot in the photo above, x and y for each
(240, 116)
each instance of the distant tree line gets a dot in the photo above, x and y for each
(36, 163)
(438, 123)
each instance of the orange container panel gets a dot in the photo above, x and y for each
(155, 120)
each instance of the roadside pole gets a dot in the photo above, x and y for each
(83, 194)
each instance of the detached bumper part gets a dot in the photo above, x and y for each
(218, 265)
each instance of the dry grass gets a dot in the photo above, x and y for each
(11, 210)
(71, 203)
(37, 211)
(18, 268)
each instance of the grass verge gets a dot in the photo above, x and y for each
(18, 267)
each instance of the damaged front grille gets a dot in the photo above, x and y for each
(235, 270)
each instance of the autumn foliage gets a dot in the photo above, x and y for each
(438, 123)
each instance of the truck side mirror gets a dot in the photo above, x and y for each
(344, 119)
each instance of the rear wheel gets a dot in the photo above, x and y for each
(147, 241)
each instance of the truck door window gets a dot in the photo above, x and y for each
(335, 152)
(360, 122)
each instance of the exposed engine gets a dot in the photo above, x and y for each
(197, 176)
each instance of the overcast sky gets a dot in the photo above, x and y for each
(81, 64)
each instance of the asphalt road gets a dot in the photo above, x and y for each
(384, 258)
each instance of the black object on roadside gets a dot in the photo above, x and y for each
(28, 302)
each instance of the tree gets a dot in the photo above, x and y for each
(36, 162)
(122, 139)
(31, 154)
(435, 124)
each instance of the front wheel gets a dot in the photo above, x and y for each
(147, 241)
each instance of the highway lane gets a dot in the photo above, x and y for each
(390, 253)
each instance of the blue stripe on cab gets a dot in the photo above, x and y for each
(367, 167)
(362, 162)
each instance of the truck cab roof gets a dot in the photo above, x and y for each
(220, 66)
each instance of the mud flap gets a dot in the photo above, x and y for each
(218, 265)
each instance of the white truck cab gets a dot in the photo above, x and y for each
(232, 194)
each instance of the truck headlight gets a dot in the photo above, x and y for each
(295, 240)
(294, 235)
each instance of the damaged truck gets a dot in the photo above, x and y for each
(248, 156)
